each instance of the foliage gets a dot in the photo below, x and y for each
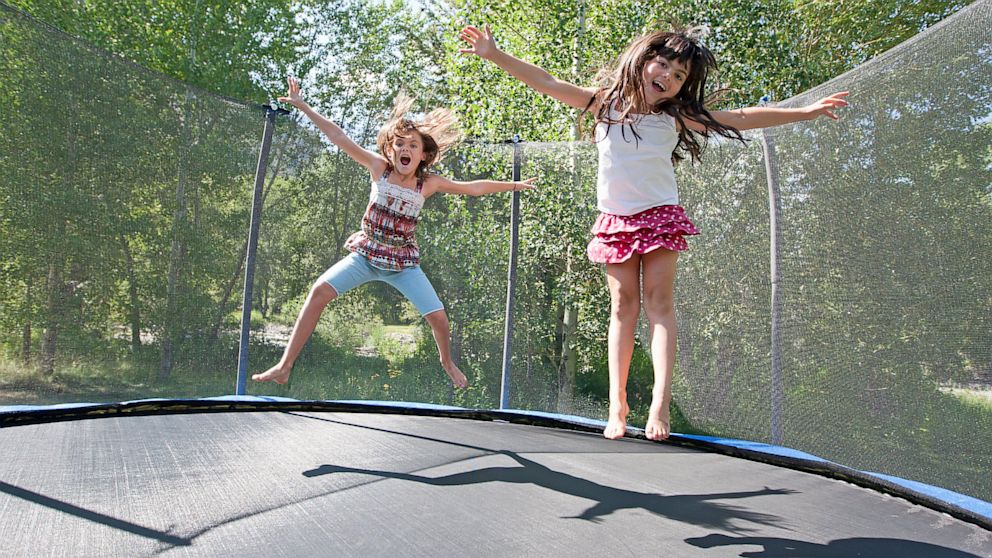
(237, 49)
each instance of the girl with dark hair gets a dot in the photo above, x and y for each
(649, 110)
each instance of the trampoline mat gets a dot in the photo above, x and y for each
(366, 484)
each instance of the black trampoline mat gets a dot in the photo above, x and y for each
(366, 484)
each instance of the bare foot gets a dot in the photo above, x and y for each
(657, 427)
(455, 374)
(616, 425)
(275, 374)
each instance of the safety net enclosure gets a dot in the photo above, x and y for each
(124, 210)
(882, 271)
(837, 303)
(884, 266)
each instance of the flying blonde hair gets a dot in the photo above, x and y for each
(439, 130)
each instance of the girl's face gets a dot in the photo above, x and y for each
(407, 152)
(663, 79)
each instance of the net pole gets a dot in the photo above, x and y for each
(511, 280)
(256, 215)
(774, 214)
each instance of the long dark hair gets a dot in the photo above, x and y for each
(622, 89)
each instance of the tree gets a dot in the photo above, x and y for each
(124, 133)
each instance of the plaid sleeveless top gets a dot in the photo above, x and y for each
(388, 236)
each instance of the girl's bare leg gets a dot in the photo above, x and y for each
(659, 305)
(306, 322)
(442, 337)
(623, 280)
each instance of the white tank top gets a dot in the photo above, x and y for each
(636, 174)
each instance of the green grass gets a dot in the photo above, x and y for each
(330, 367)
(972, 398)
(395, 343)
(98, 381)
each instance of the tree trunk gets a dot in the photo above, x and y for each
(456, 335)
(569, 356)
(566, 384)
(222, 308)
(134, 313)
(228, 290)
(456, 353)
(55, 303)
(26, 331)
(55, 307)
(173, 324)
(171, 331)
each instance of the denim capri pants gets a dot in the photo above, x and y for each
(355, 270)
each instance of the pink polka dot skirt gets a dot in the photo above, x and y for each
(617, 237)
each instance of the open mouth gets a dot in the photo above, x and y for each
(658, 86)
(405, 160)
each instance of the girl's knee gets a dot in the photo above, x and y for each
(437, 319)
(658, 303)
(322, 292)
(624, 303)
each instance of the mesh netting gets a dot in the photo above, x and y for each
(124, 206)
(884, 263)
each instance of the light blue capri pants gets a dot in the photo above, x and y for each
(354, 271)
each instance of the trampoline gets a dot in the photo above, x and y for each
(182, 478)
(838, 302)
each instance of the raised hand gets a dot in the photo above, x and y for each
(825, 106)
(482, 41)
(524, 184)
(293, 97)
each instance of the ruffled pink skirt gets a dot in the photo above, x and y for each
(616, 237)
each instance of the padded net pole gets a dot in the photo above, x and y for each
(504, 397)
(774, 212)
(256, 214)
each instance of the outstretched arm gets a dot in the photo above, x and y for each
(437, 183)
(484, 46)
(764, 117)
(368, 159)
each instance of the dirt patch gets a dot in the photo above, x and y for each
(277, 334)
